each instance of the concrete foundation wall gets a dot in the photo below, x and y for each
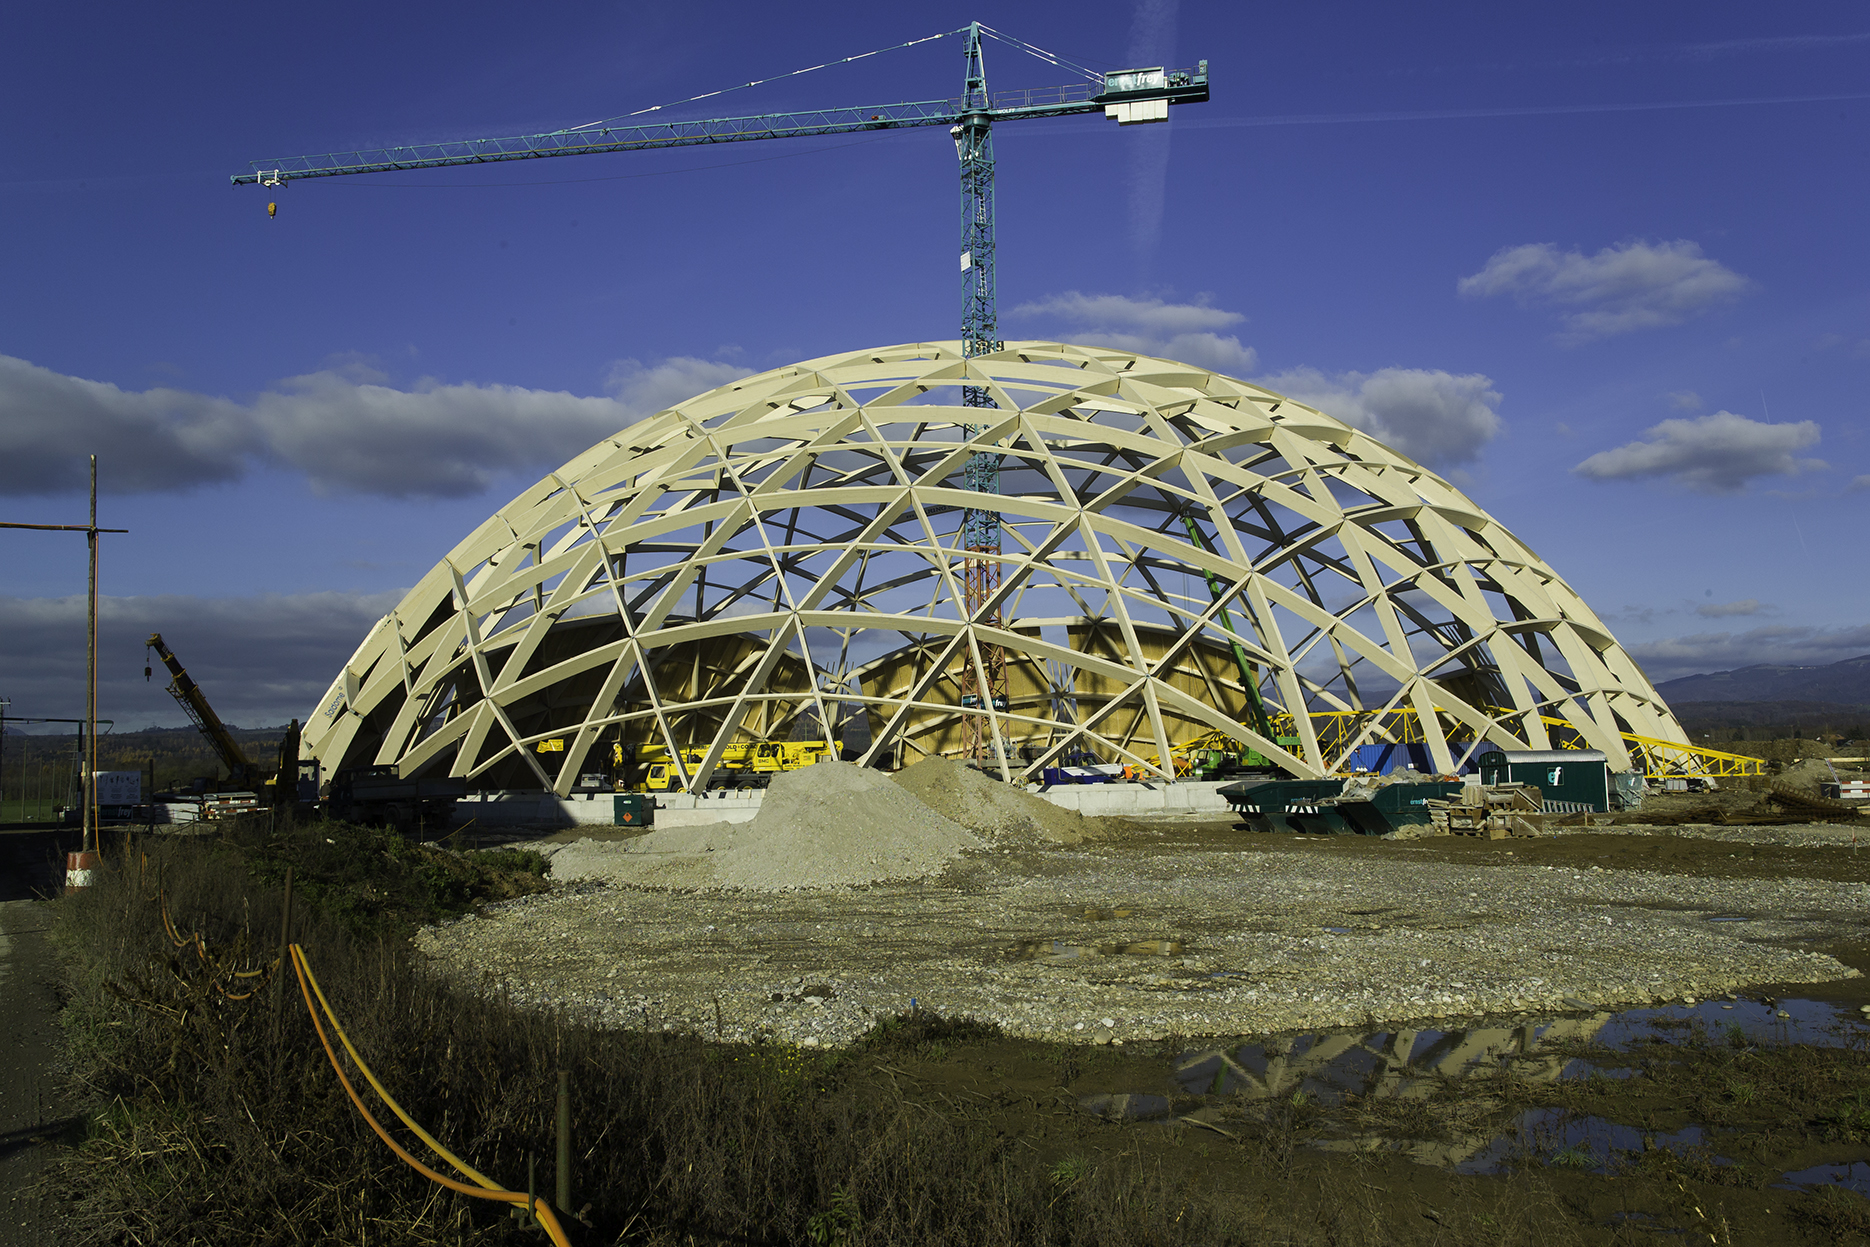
(1140, 799)
(522, 808)
(532, 808)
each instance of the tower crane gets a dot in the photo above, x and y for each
(1129, 97)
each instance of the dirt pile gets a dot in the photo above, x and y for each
(961, 793)
(830, 825)
(1810, 775)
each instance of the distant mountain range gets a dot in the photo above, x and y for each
(1845, 683)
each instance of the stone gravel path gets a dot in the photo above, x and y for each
(1139, 940)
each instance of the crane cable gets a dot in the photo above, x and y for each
(1051, 58)
(655, 108)
(1009, 40)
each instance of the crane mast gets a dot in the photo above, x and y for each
(1128, 97)
(983, 675)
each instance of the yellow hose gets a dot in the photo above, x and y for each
(487, 1188)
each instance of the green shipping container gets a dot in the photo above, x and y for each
(634, 809)
(1571, 779)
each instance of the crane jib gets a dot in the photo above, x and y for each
(1184, 87)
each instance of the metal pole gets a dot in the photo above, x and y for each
(4, 703)
(564, 1141)
(285, 940)
(90, 712)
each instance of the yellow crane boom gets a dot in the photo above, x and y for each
(194, 703)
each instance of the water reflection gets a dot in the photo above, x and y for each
(1238, 1077)
(1387, 1063)
(1854, 1176)
(1556, 1136)
(1754, 1021)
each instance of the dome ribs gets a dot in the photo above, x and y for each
(786, 550)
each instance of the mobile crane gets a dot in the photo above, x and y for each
(242, 773)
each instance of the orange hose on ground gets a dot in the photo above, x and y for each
(462, 1166)
(201, 950)
(540, 1209)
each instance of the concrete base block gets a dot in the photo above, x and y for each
(517, 808)
(520, 808)
(688, 810)
(1139, 800)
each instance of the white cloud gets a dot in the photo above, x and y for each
(649, 388)
(1179, 331)
(147, 440)
(1722, 610)
(1115, 311)
(1782, 644)
(1685, 400)
(1858, 485)
(1434, 417)
(342, 427)
(1715, 454)
(261, 660)
(1636, 285)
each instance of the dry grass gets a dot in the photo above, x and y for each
(219, 1121)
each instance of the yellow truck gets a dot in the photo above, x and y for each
(745, 764)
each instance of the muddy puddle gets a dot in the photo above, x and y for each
(1398, 1078)
(1061, 950)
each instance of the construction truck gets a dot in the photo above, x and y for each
(744, 764)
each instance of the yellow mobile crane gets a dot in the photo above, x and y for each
(743, 765)
(241, 772)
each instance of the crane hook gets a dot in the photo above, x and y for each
(272, 210)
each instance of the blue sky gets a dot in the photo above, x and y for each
(1637, 333)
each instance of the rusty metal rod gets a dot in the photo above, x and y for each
(564, 1140)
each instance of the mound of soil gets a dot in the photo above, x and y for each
(961, 793)
(831, 825)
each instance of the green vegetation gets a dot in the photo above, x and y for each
(678, 1138)
(931, 1130)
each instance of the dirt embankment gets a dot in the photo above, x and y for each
(838, 825)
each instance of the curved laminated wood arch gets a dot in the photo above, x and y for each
(781, 555)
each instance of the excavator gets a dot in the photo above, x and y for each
(242, 773)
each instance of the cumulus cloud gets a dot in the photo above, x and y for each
(1685, 400)
(1185, 331)
(1434, 417)
(1858, 485)
(648, 388)
(1722, 610)
(1635, 285)
(1787, 644)
(1715, 454)
(151, 439)
(261, 660)
(344, 427)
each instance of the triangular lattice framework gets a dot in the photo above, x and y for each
(784, 552)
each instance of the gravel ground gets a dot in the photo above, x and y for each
(1210, 932)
